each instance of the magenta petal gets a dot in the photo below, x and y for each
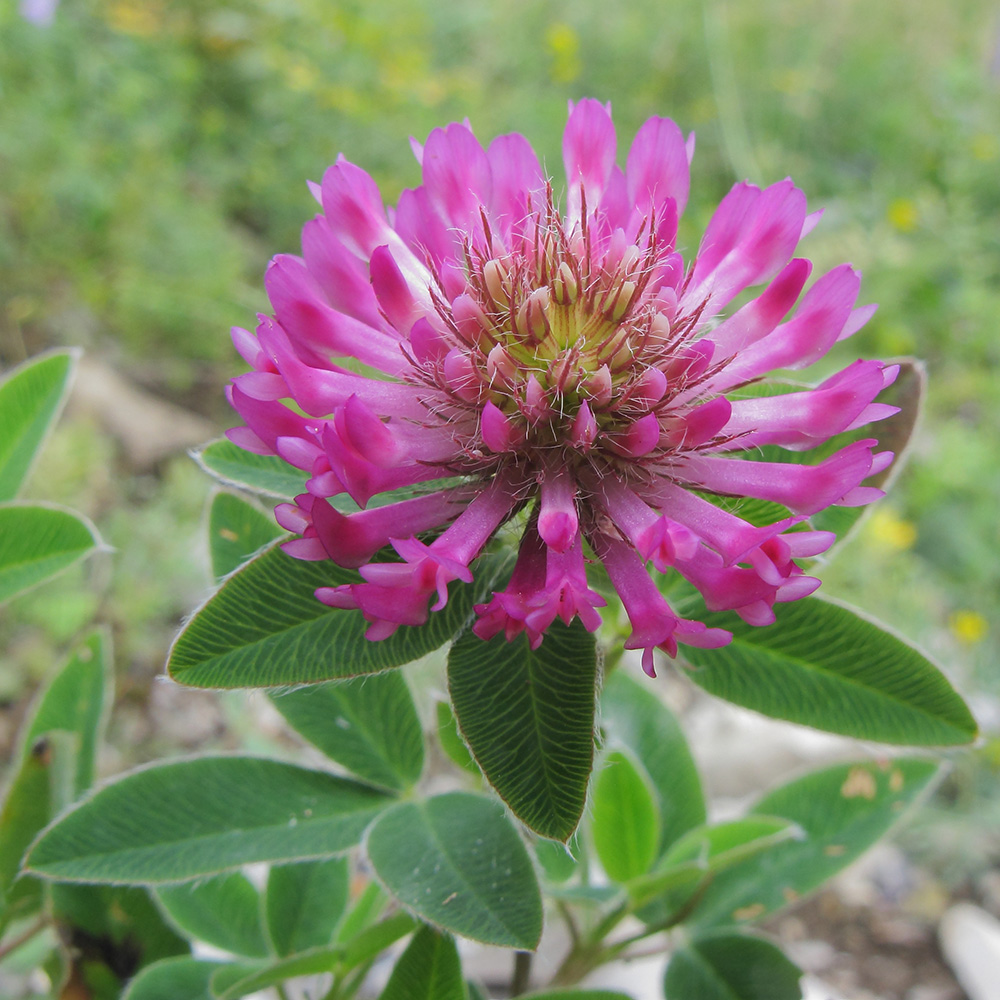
(762, 314)
(751, 236)
(300, 308)
(563, 362)
(352, 539)
(657, 166)
(727, 534)
(641, 437)
(395, 298)
(804, 419)
(353, 207)
(804, 489)
(558, 524)
(517, 178)
(589, 146)
(457, 174)
(803, 339)
(341, 275)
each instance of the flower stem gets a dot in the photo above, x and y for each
(522, 973)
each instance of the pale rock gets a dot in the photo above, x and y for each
(970, 941)
(149, 429)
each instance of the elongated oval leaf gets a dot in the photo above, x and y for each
(457, 862)
(265, 628)
(238, 979)
(231, 982)
(577, 995)
(634, 717)
(77, 700)
(304, 903)
(30, 400)
(367, 724)
(262, 473)
(429, 969)
(625, 823)
(223, 911)
(236, 530)
(842, 810)
(731, 966)
(38, 542)
(688, 866)
(362, 947)
(27, 807)
(124, 918)
(528, 717)
(450, 739)
(824, 665)
(559, 862)
(173, 978)
(176, 821)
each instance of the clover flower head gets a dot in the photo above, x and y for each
(490, 353)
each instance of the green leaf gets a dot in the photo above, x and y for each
(237, 980)
(304, 902)
(363, 911)
(274, 476)
(31, 397)
(429, 969)
(451, 740)
(559, 862)
(173, 979)
(223, 911)
(27, 808)
(38, 542)
(586, 895)
(528, 718)
(457, 862)
(634, 717)
(265, 628)
(367, 724)
(824, 665)
(231, 982)
(366, 944)
(731, 966)
(119, 926)
(721, 844)
(78, 700)
(842, 810)
(261, 473)
(236, 530)
(625, 824)
(579, 995)
(176, 821)
(701, 853)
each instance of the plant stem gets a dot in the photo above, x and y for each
(24, 937)
(522, 973)
(587, 952)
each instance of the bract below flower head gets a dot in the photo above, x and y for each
(486, 352)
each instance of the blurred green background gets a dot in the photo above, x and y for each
(154, 153)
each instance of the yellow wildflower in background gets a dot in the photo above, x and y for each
(903, 215)
(968, 627)
(564, 47)
(890, 530)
